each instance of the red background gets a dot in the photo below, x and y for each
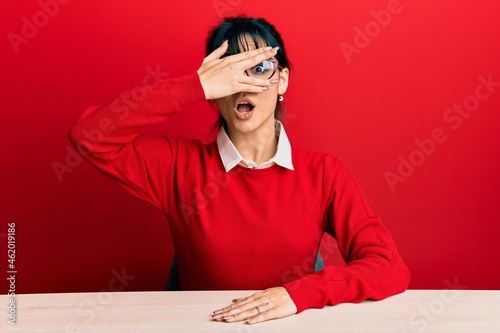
(71, 234)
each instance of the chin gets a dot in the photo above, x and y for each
(247, 126)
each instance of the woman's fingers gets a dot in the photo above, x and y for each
(251, 84)
(239, 310)
(219, 85)
(244, 79)
(250, 312)
(217, 53)
(253, 60)
(269, 304)
(224, 77)
(253, 57)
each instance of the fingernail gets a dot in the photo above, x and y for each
(275, 49)
(216, 312)
(265, 88)
(267, 48)
(225, 42)
(273, 81)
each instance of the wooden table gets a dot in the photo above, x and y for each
(190, 311)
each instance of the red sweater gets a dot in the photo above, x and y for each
(247, 228)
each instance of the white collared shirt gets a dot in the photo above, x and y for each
(231, 157)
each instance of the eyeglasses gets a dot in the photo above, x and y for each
(264, 70)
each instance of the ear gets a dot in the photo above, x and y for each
(283, 84)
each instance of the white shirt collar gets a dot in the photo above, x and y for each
(231, 157)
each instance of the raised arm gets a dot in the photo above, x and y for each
(108, 136)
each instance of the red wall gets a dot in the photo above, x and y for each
(386, 100)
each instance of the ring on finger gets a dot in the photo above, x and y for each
(225, 318)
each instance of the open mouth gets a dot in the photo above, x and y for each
(244, 107)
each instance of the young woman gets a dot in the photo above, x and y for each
(248, 210)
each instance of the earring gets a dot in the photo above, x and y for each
(281, 98)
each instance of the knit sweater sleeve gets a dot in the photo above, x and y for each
(108, 136)
(374, 268)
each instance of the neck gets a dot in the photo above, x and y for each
(259, 145)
